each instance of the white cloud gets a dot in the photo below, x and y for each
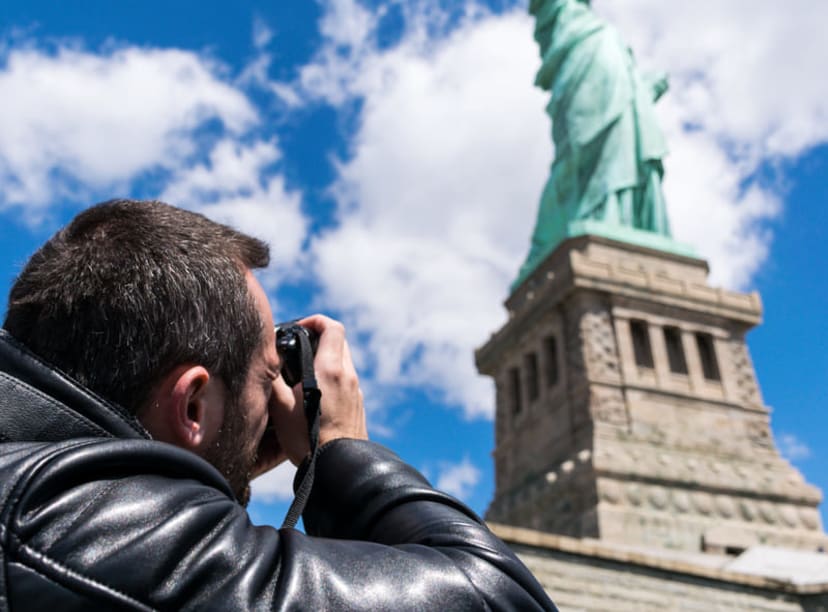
(232, 168)
(437, 200)
(275, 485)
(338, 65)
(346, 23)
(744, 76)
(792, 448)
(262, 34)
(255, 73)
(712, 210)
(747, 70)
(458, 479)
(237, 187)
(77, 123)
(74, 121)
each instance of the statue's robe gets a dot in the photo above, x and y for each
(608, 146)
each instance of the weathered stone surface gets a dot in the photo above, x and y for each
(596, 576)
(659, 450)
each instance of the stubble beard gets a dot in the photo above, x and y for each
(232, 454)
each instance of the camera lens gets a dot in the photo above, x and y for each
(289, 347)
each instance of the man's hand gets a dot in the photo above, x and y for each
(342, 415)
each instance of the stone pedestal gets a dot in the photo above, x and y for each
(628, 408)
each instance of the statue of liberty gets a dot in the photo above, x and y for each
(607, 171)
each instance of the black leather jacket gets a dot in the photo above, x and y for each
(96, 515)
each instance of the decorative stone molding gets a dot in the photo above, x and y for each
(598, 344)
(744, 376)
(608, 406)
(595, 262)
(593, 574)
(632, 453)
(758, 432)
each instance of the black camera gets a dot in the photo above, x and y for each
(289, 345)
(296, 346)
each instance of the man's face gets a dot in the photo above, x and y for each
(241, 446)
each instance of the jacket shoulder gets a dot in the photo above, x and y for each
(80, 517)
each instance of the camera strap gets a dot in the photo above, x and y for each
(311, 396)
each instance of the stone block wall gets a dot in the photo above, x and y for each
(651, 429)
(590, 576)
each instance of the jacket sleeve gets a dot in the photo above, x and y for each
(380, 538)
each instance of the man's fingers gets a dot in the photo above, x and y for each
(330, 352)
(347, 361)
(343, 415)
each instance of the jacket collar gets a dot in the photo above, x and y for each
(39, 403)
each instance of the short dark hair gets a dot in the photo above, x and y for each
(130, 289)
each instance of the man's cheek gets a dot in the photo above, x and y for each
(269, 452)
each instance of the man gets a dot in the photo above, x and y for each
(140, 391)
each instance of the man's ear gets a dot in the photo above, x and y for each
(187, 408)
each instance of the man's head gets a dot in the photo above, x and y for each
(131, 296)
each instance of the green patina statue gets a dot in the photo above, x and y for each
(606, 175)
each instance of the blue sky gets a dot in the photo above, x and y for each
(393, 153)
